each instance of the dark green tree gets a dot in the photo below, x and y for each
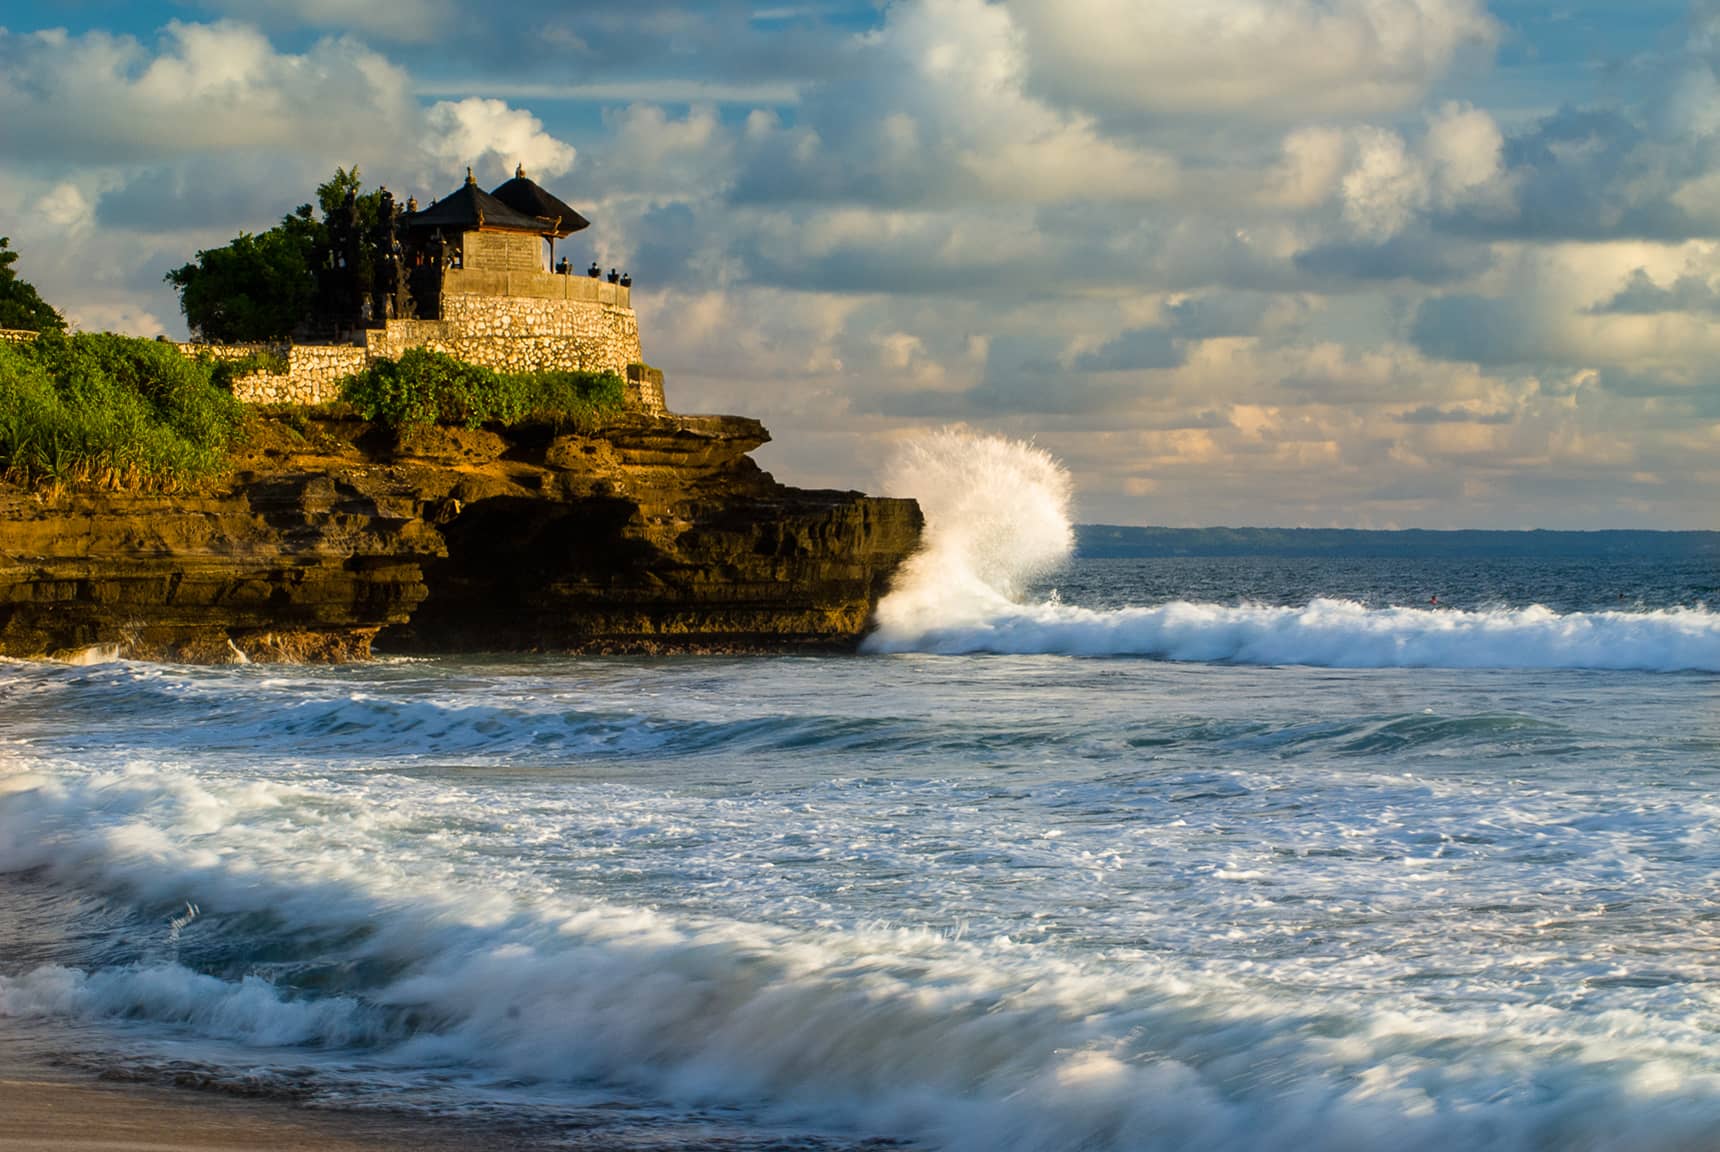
(20, 306)
(256, 288)
(259, 287)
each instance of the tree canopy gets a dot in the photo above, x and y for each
(259, 287)
(21, 307)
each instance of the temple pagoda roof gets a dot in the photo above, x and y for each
(470, 209)
(528, 198)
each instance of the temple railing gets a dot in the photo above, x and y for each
(537, 285)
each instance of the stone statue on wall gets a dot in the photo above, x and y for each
(429, 261)
(391, 298)
(342, 302)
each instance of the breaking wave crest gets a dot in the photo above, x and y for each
(1341, 634)
(997, 523)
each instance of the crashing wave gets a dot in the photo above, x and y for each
(997, 522)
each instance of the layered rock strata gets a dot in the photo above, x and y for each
(653, 534)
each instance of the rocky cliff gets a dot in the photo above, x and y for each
(653, 534)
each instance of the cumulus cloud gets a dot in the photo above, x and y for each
(1387, 185)
(213, 126)
(1384, 187)
(1272, 59)
(133, 155)
(1641, 296)
(934, 107)
(1561, 306)
(1464, 154)
(205, 88)
(1211, 266)
(492, 137)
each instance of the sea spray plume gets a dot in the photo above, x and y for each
(997, 519)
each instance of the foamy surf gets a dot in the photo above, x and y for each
(1339, 634)
(997, 523)
(950, 1043)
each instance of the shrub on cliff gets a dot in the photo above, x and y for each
(424, 387)
(258, 287)
(110, 411)
(20, 306)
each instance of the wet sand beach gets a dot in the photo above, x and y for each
(53, 1112)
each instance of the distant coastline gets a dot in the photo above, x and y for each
(1101, 541)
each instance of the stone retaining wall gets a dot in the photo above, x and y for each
(645, 390)
(232, 351)
(313, 375)
(520, 334)
(507, 333)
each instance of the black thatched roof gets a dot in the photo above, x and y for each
(468, 209)
(526, 197)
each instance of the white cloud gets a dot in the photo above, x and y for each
(133, 156)
(1384, 187)
(1464, 150)
(660, 155)
(1387, 182)
(963, 209)
(492, 137)
(208, 90)
(1311, 166)
(934, 106)
(1272, 59)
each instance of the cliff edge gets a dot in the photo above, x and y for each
(651, 534)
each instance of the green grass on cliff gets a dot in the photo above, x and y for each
(110, 411)
(433, 388)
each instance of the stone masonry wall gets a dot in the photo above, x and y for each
(507, 333)
(313, 375)
(644, 391)
(520, 334)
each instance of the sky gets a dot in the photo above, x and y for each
(1329, 263)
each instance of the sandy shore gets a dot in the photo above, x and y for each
(53, 1114)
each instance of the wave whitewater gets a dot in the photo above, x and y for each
(1341, 634)
(969, 1045)
(998, 522)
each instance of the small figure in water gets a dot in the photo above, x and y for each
(1434, 600)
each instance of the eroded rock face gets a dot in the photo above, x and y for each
(656, 534)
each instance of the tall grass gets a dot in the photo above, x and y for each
(424, 387)
(110, 411)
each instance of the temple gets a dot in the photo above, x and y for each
(472, 274)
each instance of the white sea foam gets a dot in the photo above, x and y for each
(1340, 634)
(960, 1044)
(997, 521)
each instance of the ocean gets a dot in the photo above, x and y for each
(1173, 853)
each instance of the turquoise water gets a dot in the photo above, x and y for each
(1227, 855)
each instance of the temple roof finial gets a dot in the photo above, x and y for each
(470, 179)
(519, 171)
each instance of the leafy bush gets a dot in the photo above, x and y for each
(110, 411)
(256, 288)
(20, 306)
(424, 387)
(260, 286)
